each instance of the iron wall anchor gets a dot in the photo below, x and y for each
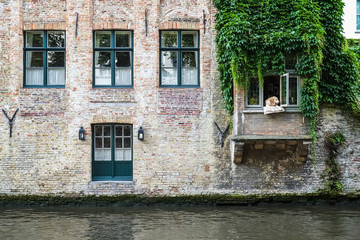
(222, 133)
(10, 119)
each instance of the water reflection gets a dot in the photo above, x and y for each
(312, 222)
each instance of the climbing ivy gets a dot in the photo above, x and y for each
(340, 72)
(255, 36)
(332, 174)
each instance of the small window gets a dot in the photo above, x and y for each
(290, 63)
(112, 152)
(44, 55)
(286, 88)
(113, 59)
(179, 58)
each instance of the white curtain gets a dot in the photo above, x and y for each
(189, 76)
(123, 155)
(34, 76)
(169, 76)
(123, 76)
(102, 154)
(56, 76)
(103, 76)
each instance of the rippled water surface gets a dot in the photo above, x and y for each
(306, 222)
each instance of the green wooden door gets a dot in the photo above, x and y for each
(112, 152)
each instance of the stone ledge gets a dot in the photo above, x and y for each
(280, 143)
(244, 138)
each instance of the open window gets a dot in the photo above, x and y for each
(285, 87)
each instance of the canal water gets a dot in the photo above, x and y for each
(173, 223)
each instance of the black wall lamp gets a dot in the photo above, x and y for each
(141, 134)
(81, 133)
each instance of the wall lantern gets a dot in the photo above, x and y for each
(141, 134)
(81, 133)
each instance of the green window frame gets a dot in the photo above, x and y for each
(179, 58)
(113, 59)
(112, 155)
(44, 58)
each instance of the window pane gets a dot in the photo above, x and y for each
(254, 92)
(98, 143)
(56, 59)
(189, 76)
(118, 142)
(118, 130)
(293, 91)
(34, 76)
(56, 39)
(169, 58)
(169, 39)
(122, 39)
(127, 142)
(34, 59)
(102, 59)
(56, 76)
(34, 68)
(99, 155)
(169, 76)
(358, 7)
(107, 154)
(98, 130)
(127, 131)
(188, 59)
(107, 142)
(103, 76)
(358, 22)
(127, 155)
(102, 39)
(123, 76)
(107, 130)
(123, 59)
(290, 62)
(119, 155)
(189, 39)
(34, 39)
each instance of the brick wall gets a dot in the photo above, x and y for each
(181, 153)
(44, 154)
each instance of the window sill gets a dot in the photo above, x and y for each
(114, 87)
(179, 86)
(95, 182)
(55, 86)
(261, 110)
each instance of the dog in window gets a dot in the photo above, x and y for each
(271, 106)
(272, 101)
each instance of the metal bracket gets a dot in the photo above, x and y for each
(204, 20)
(76, 25)
(10, 119)
(146, 23)
(222, 133)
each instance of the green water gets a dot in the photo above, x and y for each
(271, 222)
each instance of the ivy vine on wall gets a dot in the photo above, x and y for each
(255, 36)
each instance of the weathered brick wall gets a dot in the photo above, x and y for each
(45, 156)
(331, 120)
(273, 124)
(268, 170)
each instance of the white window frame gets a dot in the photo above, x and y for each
(286, 104)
